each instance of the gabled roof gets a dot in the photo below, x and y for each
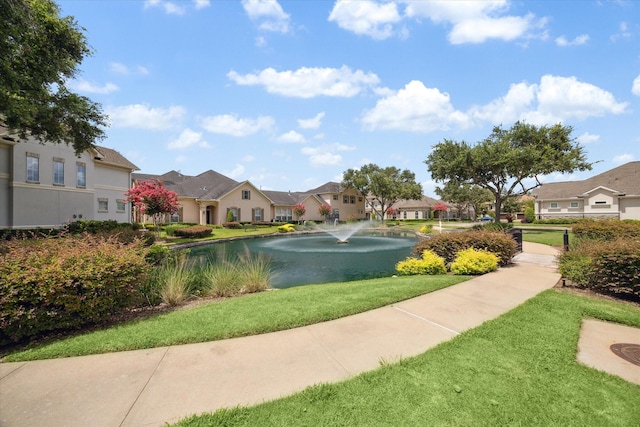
(423, 203)
(209, 185)
(112, 157)
(624, 179)
(281, 198)
(329, 187)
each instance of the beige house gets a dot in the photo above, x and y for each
(612, 194)
(411, 209)
(210, 197)
(48, 185)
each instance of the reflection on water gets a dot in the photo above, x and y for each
(318, 258)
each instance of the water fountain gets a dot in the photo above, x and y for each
(342, 232)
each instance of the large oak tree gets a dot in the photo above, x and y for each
(383, 185)
(509, 162)
(40, 51)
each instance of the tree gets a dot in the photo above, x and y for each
(509, 162)
(39, 52)
(299, 210)
(464, 196)
(154, 199)
(324, 210)
(383, 185)
(440, 207)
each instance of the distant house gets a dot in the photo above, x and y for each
(209, 198)
(612, 194)
(410, 209)
(48, 185)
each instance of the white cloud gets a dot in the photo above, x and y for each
(325, 155)
(366, 17)
(85, 86)
(248, 158)
(268, 13)
(188, 138)
(236, 172)
(170, 8)
(312, 123)
(292, 137)
(415, 108)
(201, 4)
(475, 21)
(624, 32)
(579, 40)
(635, 86)
(554, 99)
(119, 68)
(309, 82)
(588, 138)
(144, 117)
(231, 124)
(623, 158)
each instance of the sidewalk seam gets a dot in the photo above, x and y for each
(146, 384)
(426, 320)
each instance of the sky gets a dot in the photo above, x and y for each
(289, 94)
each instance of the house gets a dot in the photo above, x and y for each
(612, 194)
(410, 209)
(212, 198)
(48, 185)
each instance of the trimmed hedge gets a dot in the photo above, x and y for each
(194, 232)
(66, 282)
(606, 230)
(447, 245)
(430, 263)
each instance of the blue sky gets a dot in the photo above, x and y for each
(290, 94)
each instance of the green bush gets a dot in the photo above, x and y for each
(529, 215)
(473, 261)
(194, 232)
(562, 221)
(606, 230)
(429, 263)
(447, 245)
(66, 282)
(232, 225)
(609, 267)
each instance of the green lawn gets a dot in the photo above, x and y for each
(519, 369)
(546, 237)
(241, 316)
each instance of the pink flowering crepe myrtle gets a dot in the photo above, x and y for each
(154, 199)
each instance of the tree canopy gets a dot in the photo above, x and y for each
(40, 51)
(509, 162)
(383, 185)
(464, 196)
(154, 199)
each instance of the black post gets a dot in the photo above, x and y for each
(566, 240)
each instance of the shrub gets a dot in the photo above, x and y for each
(430, 263)
(286, 228)
(426, 229)
(447, 245)
(473, 261)
(606, 230)
(66, 282)
(608, 267)
(174, 282)
(254, 272)
(232, 225)
(221, 278)
(194, 232)
(529, 215)
(225, 277)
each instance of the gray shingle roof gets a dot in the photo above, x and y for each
(114, 158)
(624, 179)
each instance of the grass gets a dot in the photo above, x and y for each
(519, 369)
(546, 237)
(242, 316)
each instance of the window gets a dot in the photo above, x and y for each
(345, 199)
(58, 171)
(353, 200)
(284, 214)
(257, 214)
(553, 205)
(416, 215)
(235, 212)
(81, 175)
(601, 202)
(404, 215)
(121, 206)
(574, 205)
(33, 167)
(103, 205)
(335, 197)
(246, 195)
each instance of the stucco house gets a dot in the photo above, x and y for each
(48, 185)
(411, 209)
(209, 197)
(612, 194)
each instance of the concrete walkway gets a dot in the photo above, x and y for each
(156, 386)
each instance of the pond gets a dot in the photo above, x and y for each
(319, 258)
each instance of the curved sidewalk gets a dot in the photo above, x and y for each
(156, 386)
